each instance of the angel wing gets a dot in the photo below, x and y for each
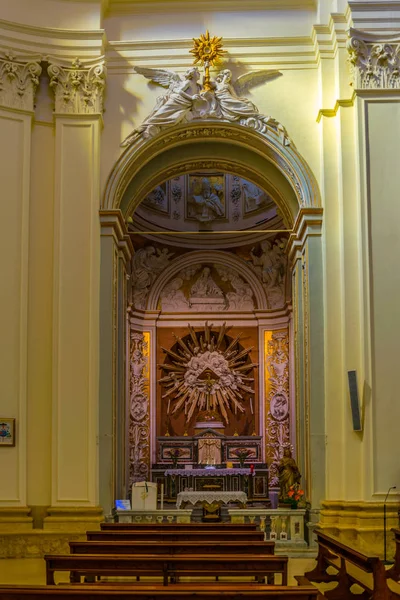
(253, 78)
(160, 76)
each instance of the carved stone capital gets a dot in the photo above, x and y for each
(374, 60)
(19, 78)
(78, 86)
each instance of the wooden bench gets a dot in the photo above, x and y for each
(211, 527)
(333, 553)
(165, 566)
(238, 591)
(165, 547)
(176, 536)
(394, 572)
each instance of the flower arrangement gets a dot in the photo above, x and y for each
(295, 495)
(242, 454)
(174, 454)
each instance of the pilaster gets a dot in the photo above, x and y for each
(116, 252)
(19, 77)
(78, 89)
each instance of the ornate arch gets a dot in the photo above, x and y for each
(216, 257)
(260, 158)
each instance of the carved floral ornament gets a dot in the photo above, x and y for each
(19, 78)
(375, 64)
(78, 86)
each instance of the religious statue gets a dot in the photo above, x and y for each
(147, 263)
(270, 266)
(220, 99)
(209, 450)
(288, 473)
(205, 286)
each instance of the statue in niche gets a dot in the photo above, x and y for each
(288, 473)
(147, 264)
(205, 286)
(207, 206)
(242, 298)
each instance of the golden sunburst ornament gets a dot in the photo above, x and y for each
(208, 52)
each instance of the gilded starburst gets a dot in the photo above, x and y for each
(207, 49)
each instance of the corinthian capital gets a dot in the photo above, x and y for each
(375, 60)
(19, 78)
(78, 86)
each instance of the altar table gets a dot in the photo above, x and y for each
(210, 497)
(208, 472)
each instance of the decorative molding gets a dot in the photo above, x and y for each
(374, 60)
(332, 112)
(139, 407)
(277, 422)
(163, 6)
(78, 86)
(19, 78)
(112, 224)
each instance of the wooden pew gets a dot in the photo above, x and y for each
(165, 547)
(333, 553)
(394, 572)
(165, 566)
(176, 536)
(180, 526)
(237, 591)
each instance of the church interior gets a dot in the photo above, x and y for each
(199, 303)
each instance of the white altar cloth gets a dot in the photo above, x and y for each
(208, 472)
(210, 497)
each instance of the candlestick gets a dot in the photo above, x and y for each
(251, 406)
(162, 497)
(169, 402)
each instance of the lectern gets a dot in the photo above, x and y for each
(144, 495)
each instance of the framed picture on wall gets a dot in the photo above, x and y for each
(7, 432)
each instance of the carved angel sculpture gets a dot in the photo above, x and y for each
(174, 106)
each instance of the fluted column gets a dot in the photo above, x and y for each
(78, 89)
(19, 77)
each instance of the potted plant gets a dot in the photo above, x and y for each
(295, 496)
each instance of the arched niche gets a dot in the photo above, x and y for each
(263, 160)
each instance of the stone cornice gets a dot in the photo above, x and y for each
(66, 43)
(375, 60)
(78, 86)
(308, 223)
(112, 224)
(19, 78)
(168, 6)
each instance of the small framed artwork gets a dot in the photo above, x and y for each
(7, 432)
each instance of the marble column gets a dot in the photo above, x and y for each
(19, 77)
(78, 89)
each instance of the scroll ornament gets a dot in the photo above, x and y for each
(19, 78)
(78, 87)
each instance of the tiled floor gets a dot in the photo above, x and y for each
(32, 570)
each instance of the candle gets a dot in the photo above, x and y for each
(162, 497)
(251, 406)
(169, 401)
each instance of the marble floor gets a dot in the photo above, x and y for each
(32, 570)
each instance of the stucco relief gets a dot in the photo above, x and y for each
(269, 261)
(78, 86)
(139, 424)
(19, 78)
(375, 64)
(202, 293)
(147, 264)
(277, 400)
(185, 101)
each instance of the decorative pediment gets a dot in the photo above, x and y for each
(209, 432)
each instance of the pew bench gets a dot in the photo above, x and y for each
(176, 536)
(394, 572)
(206, 591)
(211, 527)
(165, 566)
(112, 546)
(333, 553)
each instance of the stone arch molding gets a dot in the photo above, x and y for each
(259, 158)
(214, 257)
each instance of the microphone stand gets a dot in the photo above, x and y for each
(385, 561)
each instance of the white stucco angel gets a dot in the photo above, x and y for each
(184, 101)
(174, 106)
